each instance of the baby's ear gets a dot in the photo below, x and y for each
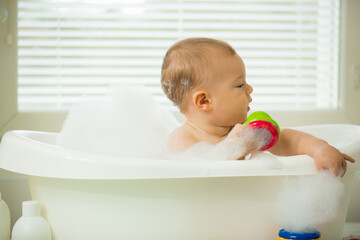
(201, 100)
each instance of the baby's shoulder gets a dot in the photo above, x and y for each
(180, 139)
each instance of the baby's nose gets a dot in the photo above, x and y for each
(250, 89)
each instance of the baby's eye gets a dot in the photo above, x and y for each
(239, 86)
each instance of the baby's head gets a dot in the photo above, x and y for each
(189, 63)
(206, 79)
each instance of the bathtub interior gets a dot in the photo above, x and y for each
(338, 135)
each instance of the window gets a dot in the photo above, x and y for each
(71, 48)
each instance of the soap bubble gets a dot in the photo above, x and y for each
(306, 202)
(128, 122)
(240, 142)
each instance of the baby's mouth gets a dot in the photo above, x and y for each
(250, 100)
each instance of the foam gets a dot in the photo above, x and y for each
(240, 142)
(306, 202)
(128, 123)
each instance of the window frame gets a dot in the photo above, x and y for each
(347, 112)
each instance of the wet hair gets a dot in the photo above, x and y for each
(187, 64)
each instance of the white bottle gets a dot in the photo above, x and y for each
(31, 226)
(4, 220)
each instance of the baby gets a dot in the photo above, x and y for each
(206, 79)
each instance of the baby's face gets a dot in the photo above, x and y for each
(230, 91)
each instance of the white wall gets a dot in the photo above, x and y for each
(8, 74)
(351, 95)
(15, 189)
(350, 58)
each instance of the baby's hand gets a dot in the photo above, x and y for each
(242, 141)
(328, 157)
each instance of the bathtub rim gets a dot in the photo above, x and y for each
(73, 164)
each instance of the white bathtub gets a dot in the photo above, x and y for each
(91, 197)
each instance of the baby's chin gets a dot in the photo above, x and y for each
(242, 120)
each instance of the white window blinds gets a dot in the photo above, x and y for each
(72, 48)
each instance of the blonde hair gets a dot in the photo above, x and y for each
(187, 64)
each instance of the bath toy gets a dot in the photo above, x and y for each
(285, 235)
(258, 120)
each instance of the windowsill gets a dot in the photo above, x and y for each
(44, 121)
(52, 121)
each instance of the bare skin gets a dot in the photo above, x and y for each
(216, 111)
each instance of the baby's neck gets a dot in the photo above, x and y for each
(208, 133)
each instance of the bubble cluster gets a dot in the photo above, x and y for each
(306, 202)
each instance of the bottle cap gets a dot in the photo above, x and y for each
(31, 208)
(304, 236)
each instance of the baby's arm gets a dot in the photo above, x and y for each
(292, 142)
(239, 143)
